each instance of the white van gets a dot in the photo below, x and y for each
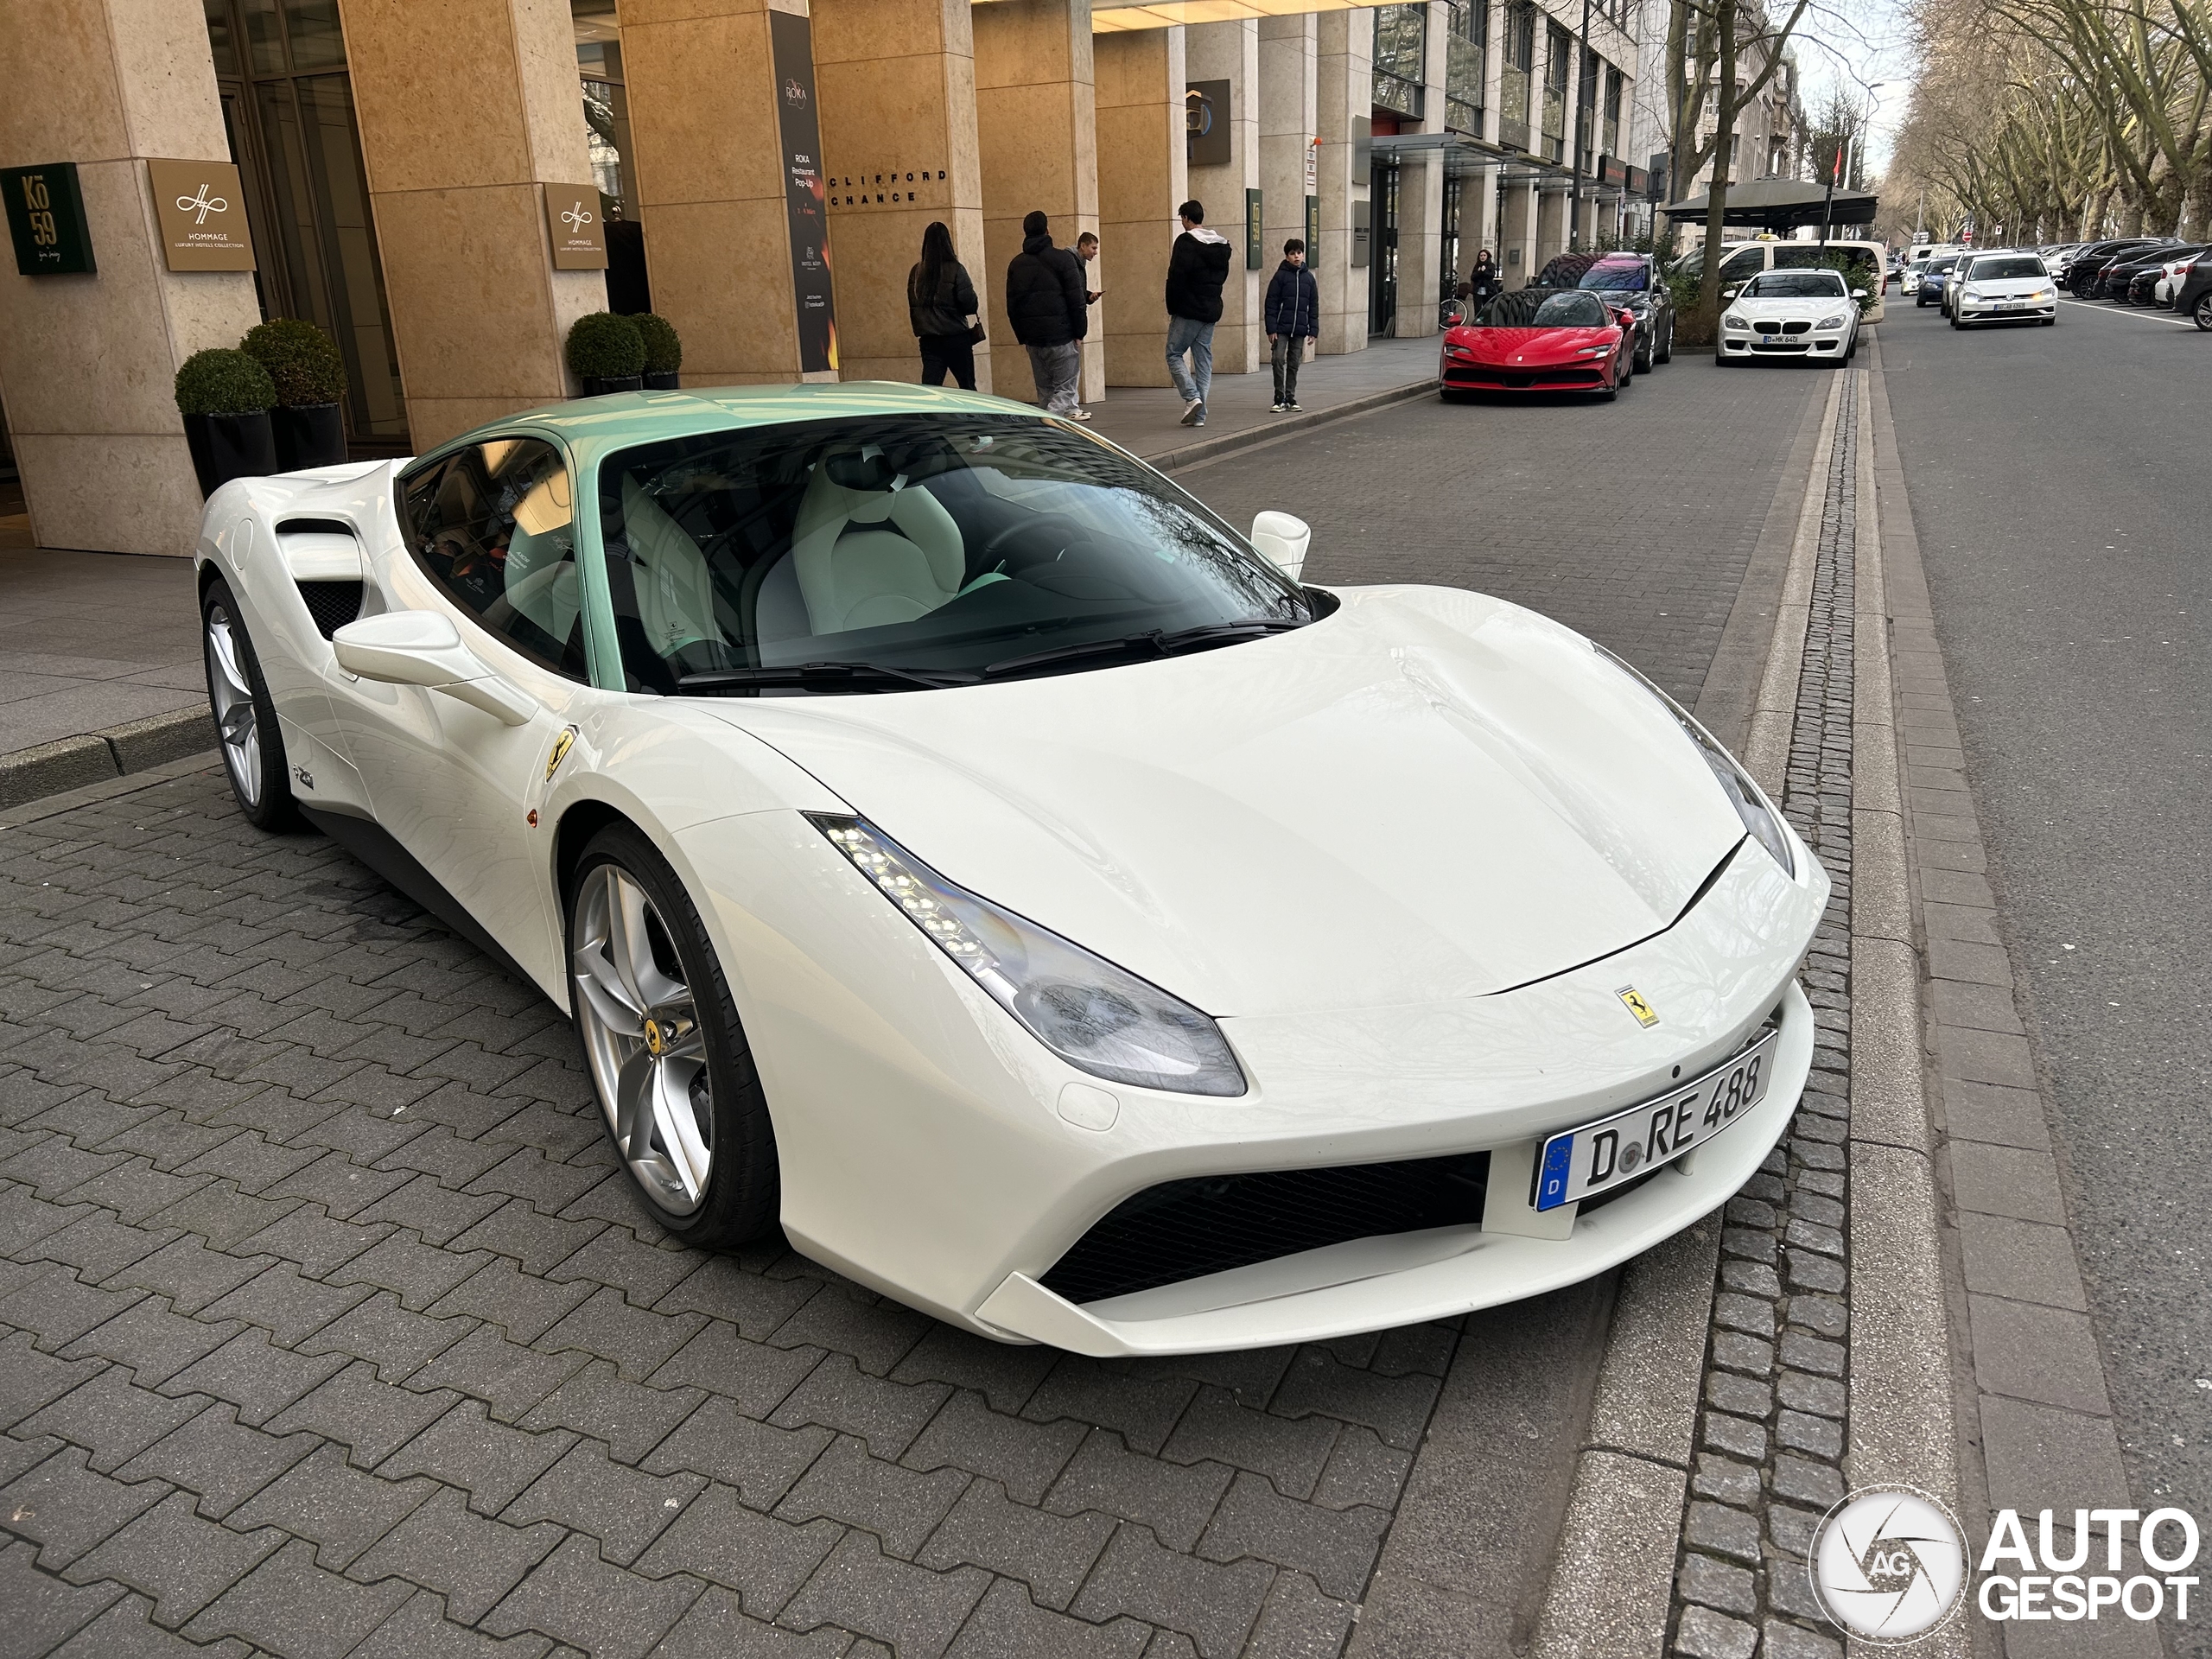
(1741, 261)
(1919, 250)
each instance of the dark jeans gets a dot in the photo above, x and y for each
(1288, 352)
(955, 352)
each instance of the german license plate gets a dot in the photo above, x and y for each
(2012, 305)
(1578, 1164)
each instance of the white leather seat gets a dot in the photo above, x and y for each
(676, 594)
(868, 558)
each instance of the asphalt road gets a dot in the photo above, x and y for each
(2054, 482)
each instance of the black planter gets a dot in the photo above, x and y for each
(664, 380)
(224, 446)
(308, 435)
(599, 385)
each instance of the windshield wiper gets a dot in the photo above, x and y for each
(1152, 642)
(819, 675)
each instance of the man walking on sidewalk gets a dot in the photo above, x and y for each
(1293, 317)
(1044, 301)
(1196, 267)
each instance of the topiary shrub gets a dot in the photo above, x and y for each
(663, 345)
(220, 381)
(603, 346)
(302, 361)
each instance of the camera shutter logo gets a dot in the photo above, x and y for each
(1889, 1564)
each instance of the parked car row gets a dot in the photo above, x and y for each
(1589, 323)
(1987, 285)
(2142, 271)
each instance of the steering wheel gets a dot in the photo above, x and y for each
(1044, 526)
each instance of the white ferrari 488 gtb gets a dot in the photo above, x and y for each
(959, 846)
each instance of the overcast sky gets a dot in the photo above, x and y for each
(1849, 45)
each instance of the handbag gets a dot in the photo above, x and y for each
(975, 335)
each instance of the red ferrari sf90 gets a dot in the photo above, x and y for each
(1534, 340)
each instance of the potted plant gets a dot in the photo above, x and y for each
(223, 396)
(607, 352)
(309, 375)
(663, 352)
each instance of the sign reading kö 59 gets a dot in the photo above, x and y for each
(46, 216)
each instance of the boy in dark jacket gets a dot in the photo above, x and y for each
(1197, 267)
(1294, 318)
(1044, 301)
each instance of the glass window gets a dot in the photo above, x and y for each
(494, 527)
(1533, 308)
(1994, 270)
(1795, 285)
(1739, 265)
(1619, 276)
(944, 543)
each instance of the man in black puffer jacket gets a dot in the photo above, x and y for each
(1044, 301)
(1197, 267)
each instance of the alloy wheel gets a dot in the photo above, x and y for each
(641, 1031)
(2203, 312)
(232, 693)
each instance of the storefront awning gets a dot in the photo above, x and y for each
(1778, 204)
(1108, 18)
(1463, 154)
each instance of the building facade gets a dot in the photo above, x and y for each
(419, 179)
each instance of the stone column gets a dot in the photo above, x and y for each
(708, 158)
(896, 80)
(456, 139)
(87, 362)
(1516, 258)
(1230, 52)
(1421, 204)
(1551, 228)
(1344, 82)
(1036, 128)
(1141, 126)
(1289, 94)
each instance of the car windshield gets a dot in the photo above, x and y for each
(1998, 271)
(1795, 285)
(1629, 276)
(909, 544)
(1532, 308)
(1942, 264)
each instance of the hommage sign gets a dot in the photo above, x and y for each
(201, 206)
(579, 234)
(46, 218)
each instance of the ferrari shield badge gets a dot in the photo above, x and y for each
(561, 745)
(1646, 1016)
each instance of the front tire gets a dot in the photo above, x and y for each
(2201, 314)
(668, 1058)
(245, 719)
(1666, 354)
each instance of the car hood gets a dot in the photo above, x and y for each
(1788, 310)
(2007, 284)
(1427, 794)
(1525, 345)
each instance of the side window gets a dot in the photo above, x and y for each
(1742, 267)
(494, 527)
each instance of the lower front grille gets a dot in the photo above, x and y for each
(1185, 1230)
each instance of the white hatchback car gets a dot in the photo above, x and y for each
(1806, 313)
(2011, 287)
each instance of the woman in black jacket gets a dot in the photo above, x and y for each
(939, 301)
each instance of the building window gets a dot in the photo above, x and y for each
(1466, 64)
(606, 142)
(1558, 55)
(1401, 58)
(1612, 127)
(1513, 81)
(1585, 109)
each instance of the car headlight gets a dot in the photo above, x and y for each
(1969, 292)
(1099, 1018)
(1835, 321)
(1760, 819)
(1460, 352)
(1735, 320)
(1596, 350)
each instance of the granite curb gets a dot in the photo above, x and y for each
(72, 763)
(1188, 455)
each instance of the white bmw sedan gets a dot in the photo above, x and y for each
(2008, 287)
(958, 846)
(1800, 314)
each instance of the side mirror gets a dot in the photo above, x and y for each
(423, 648)
(1283, 540)
(1727, 294)
(1858, 293)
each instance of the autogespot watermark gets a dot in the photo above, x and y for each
(1889, 1564)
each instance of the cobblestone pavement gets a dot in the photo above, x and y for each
(1771, 1426)
(332, 1327)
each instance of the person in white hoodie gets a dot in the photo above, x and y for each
(1197, 267)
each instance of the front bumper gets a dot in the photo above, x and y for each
(1483, 377)
(1997, 311)
(1806, 345)
(928, 1147)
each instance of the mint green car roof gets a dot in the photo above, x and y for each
(589, 428)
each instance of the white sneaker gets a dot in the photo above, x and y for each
(1280, 409)
(1079, 415)
(1195, 414)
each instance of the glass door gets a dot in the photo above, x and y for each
(287, 108)
(1382, 264)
